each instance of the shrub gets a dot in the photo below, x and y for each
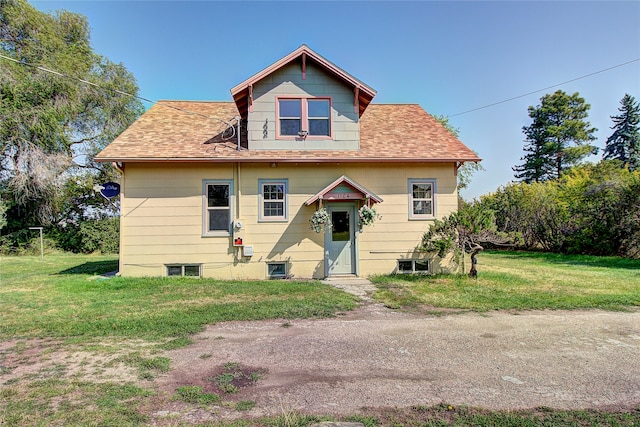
(100, 235)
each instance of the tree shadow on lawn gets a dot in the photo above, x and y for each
(93, 267)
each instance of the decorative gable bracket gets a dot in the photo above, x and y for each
(243, 96)
(344, 189)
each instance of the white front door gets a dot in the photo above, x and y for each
(340, 240)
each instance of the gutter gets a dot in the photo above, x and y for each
(287, 160)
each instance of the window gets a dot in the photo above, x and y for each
(413, 266)
(318, 112)
(290, 115)
(422, 199)
(273, 200)
(217, 207)
(312, 115)
(184, 270)
(276, 270)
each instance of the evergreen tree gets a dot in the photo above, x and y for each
(624, 143)
(536, 162)
(558, 137)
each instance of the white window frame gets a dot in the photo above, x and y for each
(413, 266)
(277, 276)
(432, 183)
(182, 270)
(304, 117)
(206, 210)
(262, 217)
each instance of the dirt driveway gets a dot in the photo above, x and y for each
(375, 357)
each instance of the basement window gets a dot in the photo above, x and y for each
(276, 270)
(413, 266)
(192, 270)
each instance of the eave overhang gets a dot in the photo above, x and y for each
(331, 159)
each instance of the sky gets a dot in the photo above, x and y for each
(449, 57)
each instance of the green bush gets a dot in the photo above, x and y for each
(26, 242)
(100, 236)
(593, 209)
(91, 236)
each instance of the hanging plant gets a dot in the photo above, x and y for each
(320, 220)
(367, 215)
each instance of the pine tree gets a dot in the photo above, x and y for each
(624, 143)
(558, 137)
(536, 161)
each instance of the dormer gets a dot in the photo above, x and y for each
(302, 102)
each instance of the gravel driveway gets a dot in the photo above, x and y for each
(376, 357)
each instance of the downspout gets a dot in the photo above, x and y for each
(238, 191)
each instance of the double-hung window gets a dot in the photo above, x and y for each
(304, 116)
(422, 198)
(273, 200)
(218, 204)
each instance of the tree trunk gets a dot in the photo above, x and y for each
(476, 250)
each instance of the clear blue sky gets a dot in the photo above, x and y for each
(449, 57)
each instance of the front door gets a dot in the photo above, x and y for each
(340, 240)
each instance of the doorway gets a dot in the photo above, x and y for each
(340, 241)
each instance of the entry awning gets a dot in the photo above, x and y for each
(344, 189)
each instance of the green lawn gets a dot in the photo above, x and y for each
(132, 322)
(63, 297)
(522, 281)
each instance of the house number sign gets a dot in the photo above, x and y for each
(343, 196)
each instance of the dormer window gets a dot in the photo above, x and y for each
(299, 115)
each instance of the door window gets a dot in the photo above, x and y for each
(340, 229)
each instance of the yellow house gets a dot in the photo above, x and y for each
(228, 189)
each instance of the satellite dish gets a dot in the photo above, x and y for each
(110, 189)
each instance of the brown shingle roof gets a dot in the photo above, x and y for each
(177, 131)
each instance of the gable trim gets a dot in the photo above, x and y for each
(366, 194)
(240, 91)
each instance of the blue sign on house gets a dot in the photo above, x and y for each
(110, 189)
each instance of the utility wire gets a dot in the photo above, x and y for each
(117, 91)
(546, 88)
(232, 127)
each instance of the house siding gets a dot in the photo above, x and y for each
(162, 217)
(288, 82)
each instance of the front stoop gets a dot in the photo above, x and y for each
(358, 286)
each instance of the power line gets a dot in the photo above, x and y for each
(546, 88)
(38, 67)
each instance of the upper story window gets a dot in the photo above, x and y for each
(273, 200)
(422, 199)
(217, 207)
(310, 115)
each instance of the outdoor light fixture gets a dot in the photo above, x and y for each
(303, 133)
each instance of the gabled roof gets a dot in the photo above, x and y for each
(242, 92)
(169, 131)
(350, 183)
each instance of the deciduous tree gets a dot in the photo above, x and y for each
(53, 123)
(466, 171)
